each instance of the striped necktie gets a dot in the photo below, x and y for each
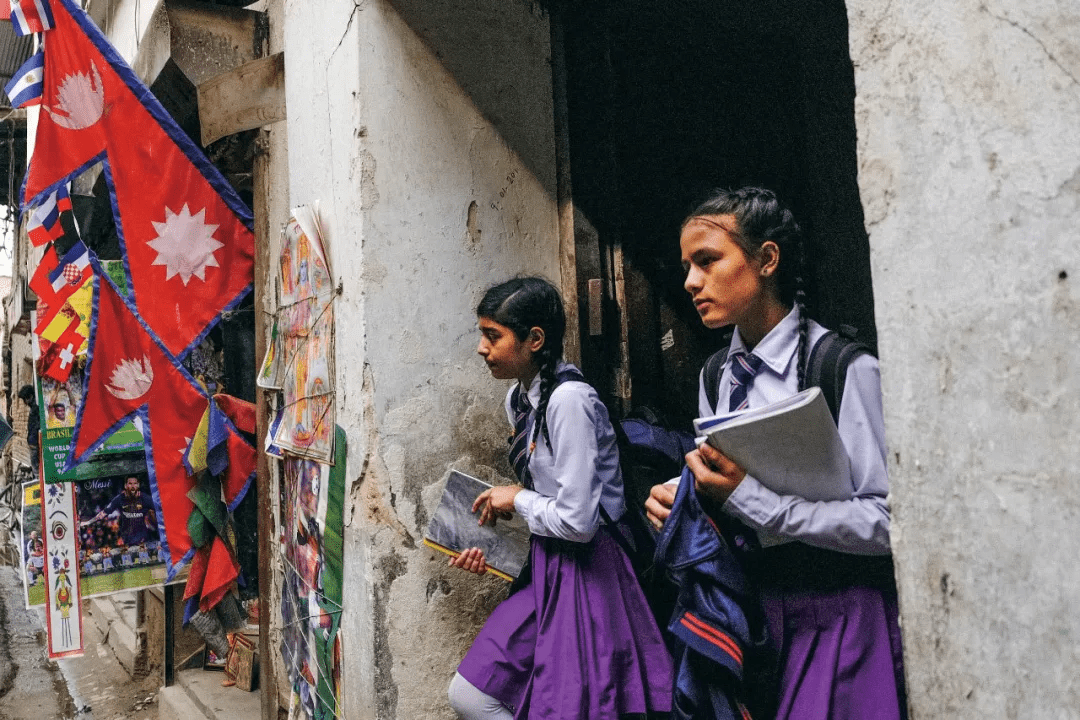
(519, 443)
(743, 369)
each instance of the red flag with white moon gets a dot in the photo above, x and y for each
(127, 371)
(186, 234)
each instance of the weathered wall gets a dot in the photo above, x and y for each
(969, 169)
(425, 131)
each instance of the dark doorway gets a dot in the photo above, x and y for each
(669, 100)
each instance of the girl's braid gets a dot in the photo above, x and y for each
(548, 365)
(800, 305)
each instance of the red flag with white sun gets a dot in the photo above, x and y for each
(186, 234)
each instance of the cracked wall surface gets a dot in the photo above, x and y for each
(969, 170)
(426, 132)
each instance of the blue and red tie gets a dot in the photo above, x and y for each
(743, 369)
(519, 443)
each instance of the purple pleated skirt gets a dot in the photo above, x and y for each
(840, 654)
(578, 641)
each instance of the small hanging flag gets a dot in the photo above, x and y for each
(40, 284)
(59, 359)
(72, 271)
(31, 16)
(44, 224)
(27, 82)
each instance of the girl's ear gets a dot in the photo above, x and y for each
(769, 255)
(535, 340)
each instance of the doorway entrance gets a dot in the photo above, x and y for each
(667, 101)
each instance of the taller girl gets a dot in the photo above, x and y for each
(577, 640)
(824, 569)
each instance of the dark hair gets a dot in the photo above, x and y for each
(26, 393)
(761, 217)
(522, 304)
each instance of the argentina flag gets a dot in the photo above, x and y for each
(26, 84)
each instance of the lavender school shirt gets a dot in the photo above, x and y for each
(578, 472)
(859, 525)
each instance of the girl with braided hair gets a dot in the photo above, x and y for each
(824, 569)
(575, 639)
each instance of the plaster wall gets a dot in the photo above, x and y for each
(127, 24)
(969, 171)
(425, 131)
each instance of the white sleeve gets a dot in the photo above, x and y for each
(859, 525)
(573, 512)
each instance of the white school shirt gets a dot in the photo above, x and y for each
(859, 525)
(580, 469)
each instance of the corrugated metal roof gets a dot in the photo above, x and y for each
(14, 51)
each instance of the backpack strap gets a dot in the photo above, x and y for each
(711, 372)
(827, 365)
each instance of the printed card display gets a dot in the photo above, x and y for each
(63, 602)
(312, 519)
(120, 546)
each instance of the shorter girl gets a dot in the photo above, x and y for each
(577, 640)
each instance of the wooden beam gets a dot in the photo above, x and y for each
(267, 539)
(248, 97)
(564, 189)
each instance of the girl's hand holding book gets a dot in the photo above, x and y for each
(716, 476)
(471, 560)
(496, 502)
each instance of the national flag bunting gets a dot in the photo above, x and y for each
(185, 232)
(72, 270)
(31, 16)
(40, 284)
(44, 223)
(59, 358)
(26, 84)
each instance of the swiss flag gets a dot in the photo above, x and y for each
(186, 234)
(127, 372)
(59, 359)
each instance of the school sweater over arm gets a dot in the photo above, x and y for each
(859, 525)
(578, 471)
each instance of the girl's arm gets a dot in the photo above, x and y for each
(568, 478)
(859, 525)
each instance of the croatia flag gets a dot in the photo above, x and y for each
(26, 84)
(71, 272)
(31, 16)
(44, 223)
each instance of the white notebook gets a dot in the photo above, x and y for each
(790, 446)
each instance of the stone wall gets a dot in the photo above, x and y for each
(425, 130)
(969, 169)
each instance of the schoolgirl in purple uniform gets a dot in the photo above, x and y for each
(577, 640)
(824, 568)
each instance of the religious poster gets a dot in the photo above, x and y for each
(312, 520)
(300, 359)
(119, 541)
(63, 601)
